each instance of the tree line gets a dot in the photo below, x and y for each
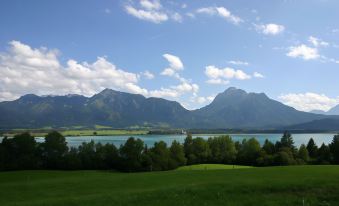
(22, 152)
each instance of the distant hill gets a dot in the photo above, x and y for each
(109, 107)
(328, 124)
(334, 110)
(239, 109)
(233, 108)
(318, 112)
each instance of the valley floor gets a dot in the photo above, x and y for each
(292, 185)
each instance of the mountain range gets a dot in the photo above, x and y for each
(234, 108)
(332, 111)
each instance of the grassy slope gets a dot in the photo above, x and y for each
(317, 185)
(84, 132)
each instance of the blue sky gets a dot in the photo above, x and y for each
(187, 51)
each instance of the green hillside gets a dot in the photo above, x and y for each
(292, 185)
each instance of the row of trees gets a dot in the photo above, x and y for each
(23, 152)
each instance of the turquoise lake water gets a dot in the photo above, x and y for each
(149, 140)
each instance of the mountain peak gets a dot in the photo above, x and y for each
(29, 97)
(234, 90)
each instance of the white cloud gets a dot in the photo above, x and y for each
(309, 101)
(27, 70)
(191, 15)
(215, 74)
(153, 11)
(175, 91)
(317, 42)
(258, 75)
(304, 52)
(202, 100)
(148, 75)
(176, 17)
(174, 61)
(168, 72)
(207, 10)
(150, 5)
(221, 12)
(270, 29)
(147, 15)
(238, 63)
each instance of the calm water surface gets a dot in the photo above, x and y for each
(149, 140)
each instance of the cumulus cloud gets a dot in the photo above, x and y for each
(148, 75)
(168, 72)
(221, 12)
(147, 15)
(174, 61)
(27, 70)
(309, 101)
(190, 14)
(317, 42)
(221, 76)
(150, 5)
(176, 91)
(304, 52)
(177, 17)
(270, 29)
(238, 63)
(152, 11)
(202, 100)
(258, 75)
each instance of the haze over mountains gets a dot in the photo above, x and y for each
(234, 108)
(332, 111)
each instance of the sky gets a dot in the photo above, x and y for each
(187, 51)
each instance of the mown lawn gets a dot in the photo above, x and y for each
(293, 185)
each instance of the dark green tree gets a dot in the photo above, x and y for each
(53, 150)
(87, 155)
(177, 155)
(334, 148)
(160, 156)
(222, 149)
(201, 150)
(312, 149)
(324, 154)
(72, 160)
(303, 154)
(106, 156)
(188, 147)
(268, 147)
(20, 152)
(287, 141)
(249, 152)
(131, 155)
(285, 156)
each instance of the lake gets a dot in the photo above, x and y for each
(149, 140)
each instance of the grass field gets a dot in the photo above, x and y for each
(84, 132)
(293, 185)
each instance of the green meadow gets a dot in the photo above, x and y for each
(80, 132)
(198, 185)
